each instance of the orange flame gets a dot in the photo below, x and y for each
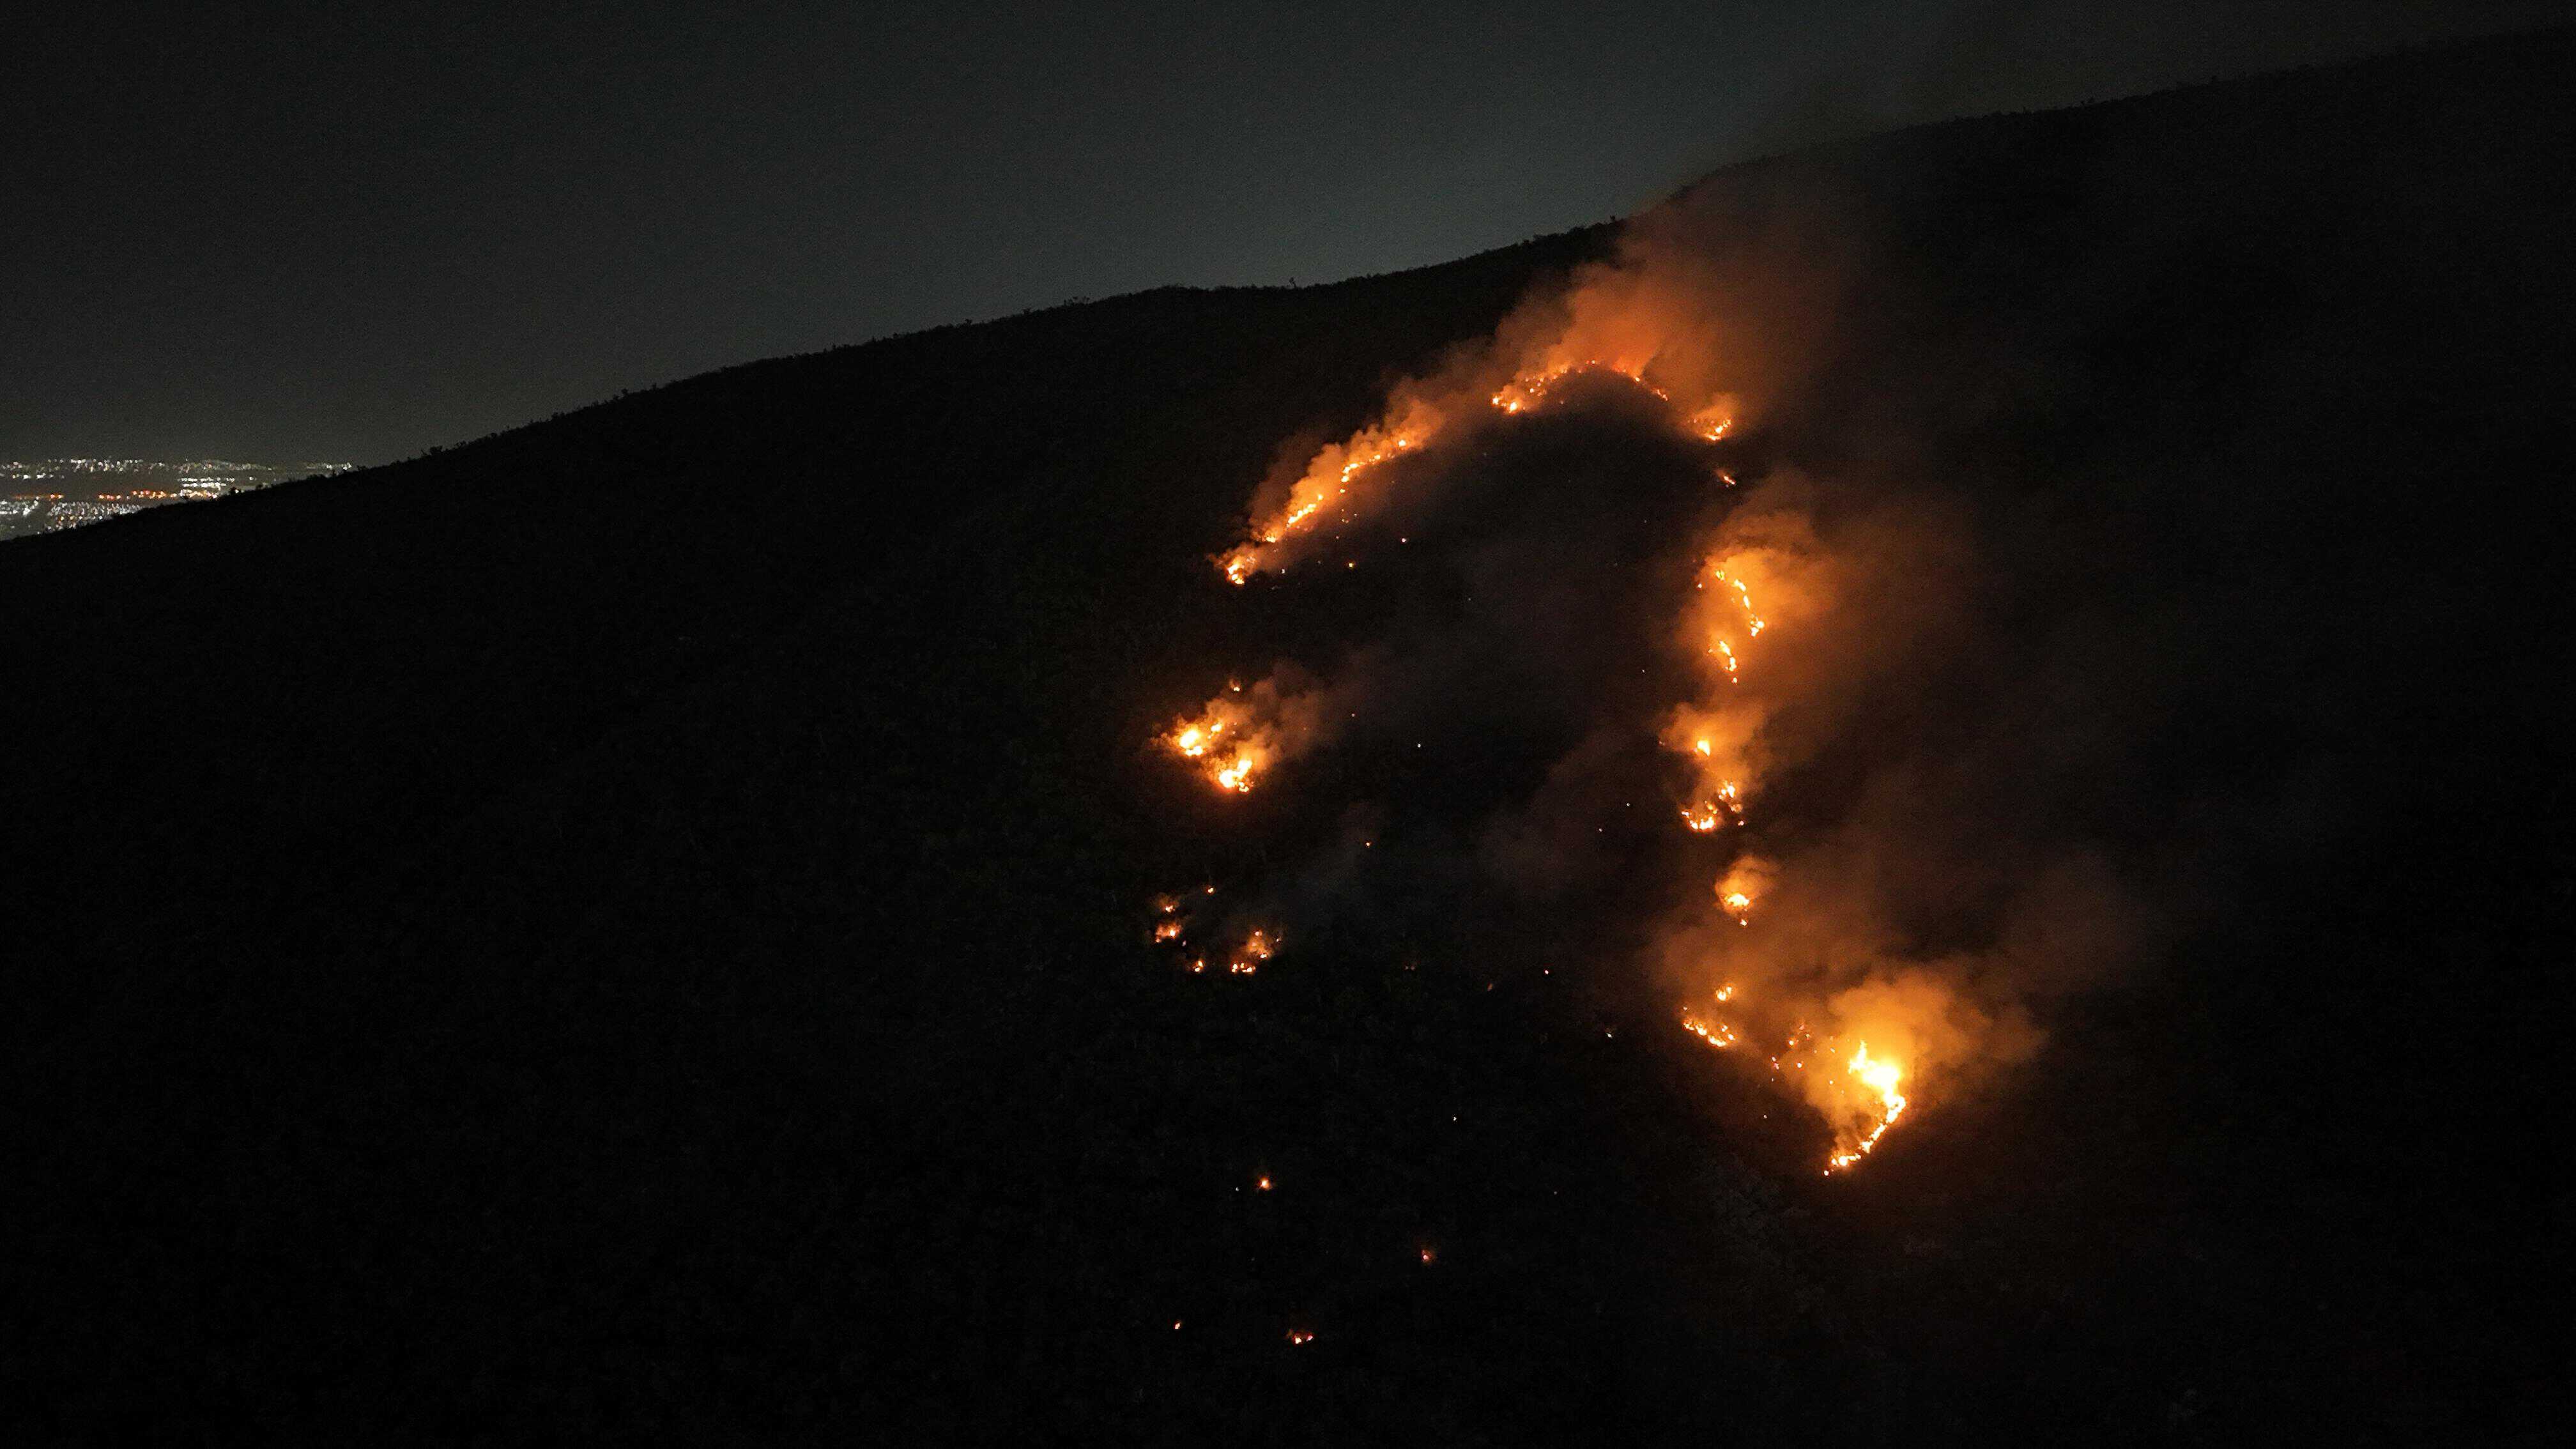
(1878, 1078)
(1236, 737)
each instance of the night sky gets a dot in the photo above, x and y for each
(320, 232)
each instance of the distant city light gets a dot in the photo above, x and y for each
(51, 494)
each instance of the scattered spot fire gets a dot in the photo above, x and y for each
(1257, 947)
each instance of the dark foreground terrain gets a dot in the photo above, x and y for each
(652, 972)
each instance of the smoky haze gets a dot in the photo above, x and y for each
(305, 231)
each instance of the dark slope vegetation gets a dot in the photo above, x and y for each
(630, 926)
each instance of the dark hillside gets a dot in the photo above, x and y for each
(371, 656)
(632, 926)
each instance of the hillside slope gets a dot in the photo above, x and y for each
(630, 925)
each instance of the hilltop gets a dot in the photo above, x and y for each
(643, 931)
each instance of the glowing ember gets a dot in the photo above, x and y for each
(1300, 1336)
(1258, 947)
(1167, 931)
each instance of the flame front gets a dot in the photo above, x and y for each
(1755, 586)
(1336, 485)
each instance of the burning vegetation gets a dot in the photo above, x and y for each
(1781, 615)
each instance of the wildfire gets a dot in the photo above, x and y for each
(1334, 486)
(1727, 803)
(1717, 1034)
(1743, 595)
(1622, 319)
(1527, 390)
(1169, 925)
(1713, 421)
(1745, 882)
(1231, 764)
(1236, 737)
(1531, 386)
(1326, 485)
(1878, 1077)
(1258, 947)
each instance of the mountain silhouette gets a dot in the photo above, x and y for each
(635, 925)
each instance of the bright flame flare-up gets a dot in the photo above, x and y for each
(1878, 1077)
(1868, 1090)
(1229, 764)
